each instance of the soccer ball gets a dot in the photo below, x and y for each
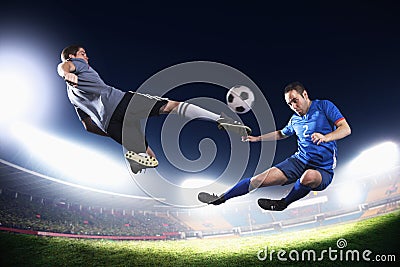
(240, 99)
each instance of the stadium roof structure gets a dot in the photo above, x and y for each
(23, 181)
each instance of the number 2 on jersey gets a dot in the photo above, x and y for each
(305, 131)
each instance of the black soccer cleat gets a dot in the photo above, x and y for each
(229, 124)
(211, 199)
(273, 205)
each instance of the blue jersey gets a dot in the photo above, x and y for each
(321, 118)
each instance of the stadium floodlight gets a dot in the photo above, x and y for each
(71, 160)
(15, 90)
(375, 160)
(26, 90)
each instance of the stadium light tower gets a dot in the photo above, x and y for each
(375, 160)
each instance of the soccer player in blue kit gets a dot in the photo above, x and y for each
(317, 125)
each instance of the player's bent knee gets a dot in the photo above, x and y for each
(270, 177)
(311, 178)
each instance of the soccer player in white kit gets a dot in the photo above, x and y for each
(102, 108)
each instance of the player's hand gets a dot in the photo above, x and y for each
(250, 138)
(319, 138)
(71, 79)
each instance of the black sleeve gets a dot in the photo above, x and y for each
(82, 115)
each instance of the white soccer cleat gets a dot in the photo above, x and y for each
(140, 161)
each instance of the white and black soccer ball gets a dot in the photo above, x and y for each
(240, 99)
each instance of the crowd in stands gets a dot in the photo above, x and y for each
(28, 213)
(31, 213)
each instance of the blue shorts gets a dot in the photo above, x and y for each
(293, 168)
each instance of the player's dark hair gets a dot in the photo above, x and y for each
(295, 86)
(70, 50)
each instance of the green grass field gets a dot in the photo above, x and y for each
(380, 235)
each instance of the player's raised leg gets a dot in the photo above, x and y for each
(241, 188)
(272, 176)
(191, 111)
(309, 180)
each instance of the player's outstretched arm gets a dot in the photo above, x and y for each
(343, 129)
(272, 136)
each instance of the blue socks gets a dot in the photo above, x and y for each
(298, 191)
(241, 188)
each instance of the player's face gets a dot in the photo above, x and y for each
(299, 103)
(81, 54)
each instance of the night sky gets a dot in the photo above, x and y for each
(347, 52)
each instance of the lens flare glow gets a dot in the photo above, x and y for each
(25, 87)
(350, 194)
(378, 159)
(196, 183)
(74, 161)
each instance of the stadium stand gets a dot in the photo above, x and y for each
(24, 212)
(204, 222)
(32, 203)
(382, 192)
